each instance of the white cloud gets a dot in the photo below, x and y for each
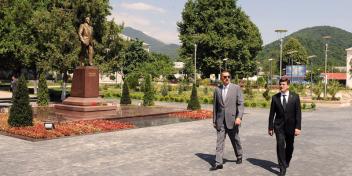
(142, 6)
(130, 20)
(146, 26)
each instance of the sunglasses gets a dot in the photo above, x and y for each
(226, 76)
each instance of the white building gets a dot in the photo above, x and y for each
(349, 68)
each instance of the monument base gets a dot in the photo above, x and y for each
(85, 93)
(85, 104)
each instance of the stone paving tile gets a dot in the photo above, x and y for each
(186, 149)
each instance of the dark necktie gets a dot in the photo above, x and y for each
(284, 102)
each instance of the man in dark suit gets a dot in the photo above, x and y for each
(285, 120)
(228, 112)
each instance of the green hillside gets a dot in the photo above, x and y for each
(155, 45)
(311, 39)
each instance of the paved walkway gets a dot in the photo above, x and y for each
(186, 149)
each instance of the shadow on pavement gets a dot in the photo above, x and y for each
(268, 165)
(211, 158)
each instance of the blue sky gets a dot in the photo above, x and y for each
(158, 18)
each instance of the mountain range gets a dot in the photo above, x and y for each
(155, 44)
(311, 39)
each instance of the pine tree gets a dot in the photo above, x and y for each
(193, 103)
(21, 111)
(125, 98)
(148, 99)
(43, 93)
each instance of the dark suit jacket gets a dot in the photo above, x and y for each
(229, 109)
(285, 120)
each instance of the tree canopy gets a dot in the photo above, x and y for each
(221, 30)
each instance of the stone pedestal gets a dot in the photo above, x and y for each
(85, 82)
(85, 92)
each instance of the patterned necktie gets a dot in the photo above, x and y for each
(284, 102)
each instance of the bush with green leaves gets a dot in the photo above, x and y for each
(193, 103)
(148, 98)
(266, 94)
(313, 105)
(164, 90)
(248, 90)
(333, 88)
(261, 81)
(180, 89)
(264, 104)
(206, 90)
(253, 104)
(21, 111)
(125, 98)
(318, 89)
(43, 92)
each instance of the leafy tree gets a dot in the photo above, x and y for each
(134, 56)
(221, 30)
(193, 103)
(43, 93)
(292, 44)
(148, 99)
(125, 98)
(43, 34)
(111, 50)
(21, 111)
(157, 65)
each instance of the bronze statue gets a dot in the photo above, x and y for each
(85, 33)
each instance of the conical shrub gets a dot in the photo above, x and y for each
(43, 93)
(193, 103)
(21, 111)
(148, 98)
(125, 98)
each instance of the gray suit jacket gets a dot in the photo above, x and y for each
(230, 108)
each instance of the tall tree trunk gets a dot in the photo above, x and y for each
(35, 89)
(64, 81)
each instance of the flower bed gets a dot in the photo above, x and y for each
(37, 131)
(196, 115)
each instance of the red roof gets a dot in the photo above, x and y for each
(336, 76)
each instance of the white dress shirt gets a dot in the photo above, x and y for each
(224, 91)
(286, 97)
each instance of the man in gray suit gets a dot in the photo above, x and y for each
(228, 112)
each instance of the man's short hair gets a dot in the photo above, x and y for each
(284, 79)
(225, 71)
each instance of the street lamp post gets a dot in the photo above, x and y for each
(271, 72)
(225, 60)
(326, 38)
(280, 32)
(195, 64)
(292, 52)
(311, 74)
(220, 63)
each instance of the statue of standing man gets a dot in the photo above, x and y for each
(85, 33)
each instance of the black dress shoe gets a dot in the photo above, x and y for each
(216, 167)
(239, 161)
(282, 171)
